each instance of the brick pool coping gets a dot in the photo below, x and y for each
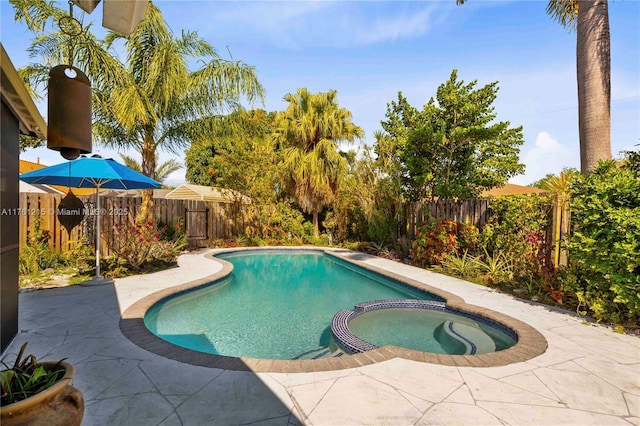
(531, 342)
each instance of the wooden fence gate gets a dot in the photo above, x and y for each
(197, 226)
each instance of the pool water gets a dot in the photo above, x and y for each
(430, 331)
(275, 305)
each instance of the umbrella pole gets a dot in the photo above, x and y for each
(97, 280)
(97, 231)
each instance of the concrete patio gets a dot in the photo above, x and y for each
(588, 375)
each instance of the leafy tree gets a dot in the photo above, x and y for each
(391, 142)
(605, 247)
(153, 101)
(453, 148)
(162, 171)
(366, 206)
(26, 142)
(309, 131)
(239, 155)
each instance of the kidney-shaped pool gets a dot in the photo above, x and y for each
(280, 305)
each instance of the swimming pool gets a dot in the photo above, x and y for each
(275, 304)
(279, 305)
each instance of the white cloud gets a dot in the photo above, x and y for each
(547, 156)
(394, 27)
(299, 25)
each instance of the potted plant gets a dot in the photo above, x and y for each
(39, 393)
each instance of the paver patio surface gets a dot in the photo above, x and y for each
(588, 376)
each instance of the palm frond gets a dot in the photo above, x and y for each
(565, 12)
(165, 169)
(131, 162)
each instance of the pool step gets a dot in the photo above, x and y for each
(318, 353)
(312, 353)
(472, 337)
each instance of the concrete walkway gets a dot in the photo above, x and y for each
(588, 376)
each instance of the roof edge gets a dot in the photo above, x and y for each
(16, 96)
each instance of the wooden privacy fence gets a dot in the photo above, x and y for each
(204, 221)
(472, 212)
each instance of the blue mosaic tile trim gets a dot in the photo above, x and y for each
(486, 321)
(472, 347)
(361, 308)
(348, 341)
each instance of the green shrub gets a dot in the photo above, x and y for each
(437, 239)
(36, 255)
(383, 230)
(463, 266)
(321, 240)
(141, 245)
(278, 221)
(605, 247)
(173, 230)
(496, 268)
(516, 231)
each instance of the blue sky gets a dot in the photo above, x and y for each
(368, 51)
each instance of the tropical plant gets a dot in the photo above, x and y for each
(25, 142)
(438, 239)
(36, 255)
(162, 171)
(517, 225)
(604, 250)
(559, 186)
(496, 267)
(462, 265)
(26, 377)
(239, 155)
(142, 244)
(153, 101)
(309, 131)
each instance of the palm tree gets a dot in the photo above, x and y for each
(153, 101)
(162, 171)
(560, 187)
(594, 74)
(309, 131)
(593, 52)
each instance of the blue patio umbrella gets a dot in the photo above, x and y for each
(92, 172)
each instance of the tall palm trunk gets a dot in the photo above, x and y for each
(148, 169)
(316, 225)
(594, 83)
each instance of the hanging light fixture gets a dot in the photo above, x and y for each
(69, 101)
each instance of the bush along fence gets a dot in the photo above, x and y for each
(202, 221)
(471, 212)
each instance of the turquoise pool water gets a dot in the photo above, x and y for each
(275, 305)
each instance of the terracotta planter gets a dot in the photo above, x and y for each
(61, 404)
